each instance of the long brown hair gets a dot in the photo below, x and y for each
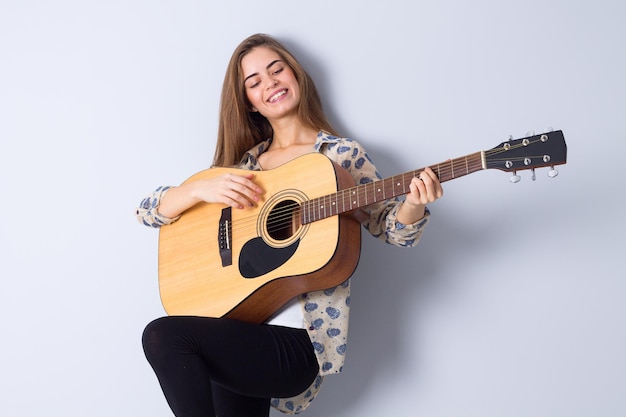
(239, 128)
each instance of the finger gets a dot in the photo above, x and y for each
(427, 188)
(433, 186)
(418, 191)
(243, 190)
(428, 174)
(235, 199)
(246, 180)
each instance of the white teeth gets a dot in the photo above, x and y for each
(277, 95)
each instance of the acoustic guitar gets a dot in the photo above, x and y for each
(216, 261)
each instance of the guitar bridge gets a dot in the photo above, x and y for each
(224, 237)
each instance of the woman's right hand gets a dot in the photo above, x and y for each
(237, 191)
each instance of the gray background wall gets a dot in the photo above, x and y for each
(513, 305)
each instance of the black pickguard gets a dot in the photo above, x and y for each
(257, 258)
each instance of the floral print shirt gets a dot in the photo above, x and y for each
(326, 313)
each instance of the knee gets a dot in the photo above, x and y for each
(155, 336)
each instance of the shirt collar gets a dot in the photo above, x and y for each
(249, 159)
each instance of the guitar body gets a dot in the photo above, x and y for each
(217, 261)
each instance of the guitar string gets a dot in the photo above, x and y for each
(283, 218)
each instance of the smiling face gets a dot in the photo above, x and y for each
(270, 84)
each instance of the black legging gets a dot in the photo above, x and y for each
(209, 367)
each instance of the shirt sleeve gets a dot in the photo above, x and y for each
(148, 210)
(382, 221)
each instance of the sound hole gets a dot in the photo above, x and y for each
(282, 220)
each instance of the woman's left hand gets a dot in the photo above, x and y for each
(424, 189)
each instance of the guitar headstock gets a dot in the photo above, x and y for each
(537, 151)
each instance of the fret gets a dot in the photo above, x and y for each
(312, 210)
(317, 209)
(329, 206)
(325, 207)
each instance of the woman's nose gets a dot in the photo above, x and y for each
(271, 82)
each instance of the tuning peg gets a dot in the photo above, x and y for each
(515, 178)
(553, 172)
(533, 176)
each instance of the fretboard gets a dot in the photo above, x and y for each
(362, 195)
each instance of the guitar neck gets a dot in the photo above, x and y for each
(362, 195)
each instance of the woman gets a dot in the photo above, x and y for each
(270, 114)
